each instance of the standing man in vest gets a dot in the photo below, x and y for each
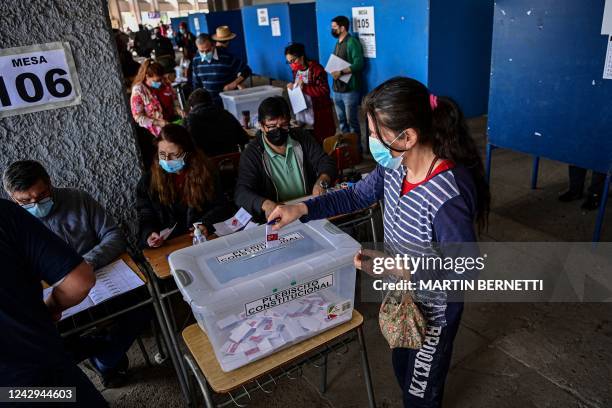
(347, 96)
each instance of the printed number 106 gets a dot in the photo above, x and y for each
(37, 91)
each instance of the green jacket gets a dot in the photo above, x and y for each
(353, 53)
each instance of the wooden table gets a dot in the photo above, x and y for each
(158, 257)
(206, 369)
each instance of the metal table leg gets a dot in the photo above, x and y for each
(170, 338)
(366, 368)
(602, 208)
(201, 380)
(323, 368)
(373, 226)
(534, 172)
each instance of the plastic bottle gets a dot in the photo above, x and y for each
(198, 237)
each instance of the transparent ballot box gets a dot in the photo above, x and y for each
(252, 300)
(248, 99)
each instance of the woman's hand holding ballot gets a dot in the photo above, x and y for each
(286, 214)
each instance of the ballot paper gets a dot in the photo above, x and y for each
(253, 337)
(236, 223)
(112, 280)
(296, 97)
(272, 239)
(165, 233)
(335, 63)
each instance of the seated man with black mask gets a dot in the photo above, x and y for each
(280, 164)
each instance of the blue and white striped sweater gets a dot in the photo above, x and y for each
(441, 210)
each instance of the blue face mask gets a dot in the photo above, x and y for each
(172, 166)
(40, 209)
(382, 154)
(156, 84)
(207, 56)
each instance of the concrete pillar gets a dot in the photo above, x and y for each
(135, 9)
(155, 5)
(92, 145)
(115, 12)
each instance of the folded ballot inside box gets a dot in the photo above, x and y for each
(253, 299)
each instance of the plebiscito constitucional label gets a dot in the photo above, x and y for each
(289, 294)
(256, 247)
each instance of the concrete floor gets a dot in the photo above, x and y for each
(505, 355)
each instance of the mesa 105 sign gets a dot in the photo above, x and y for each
(37, 77)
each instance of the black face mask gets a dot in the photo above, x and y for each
(278, 136)
(335, 33)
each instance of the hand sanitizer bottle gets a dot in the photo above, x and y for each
(198, 237)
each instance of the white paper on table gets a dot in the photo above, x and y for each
(275, 26)
(335, 63)
(237, 222)
(165, 233)
(606, 24)
(112, 280)
(296, 97)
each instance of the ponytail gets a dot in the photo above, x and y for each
(148, 68)
(403, 103)
(452, 140)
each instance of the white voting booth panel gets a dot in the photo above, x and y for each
(252, 300)
(248, 99)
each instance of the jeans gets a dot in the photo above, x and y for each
(577, 176)
(421, 373)
(347, 109)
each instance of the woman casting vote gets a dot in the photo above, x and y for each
(431, 178)
(179, 190)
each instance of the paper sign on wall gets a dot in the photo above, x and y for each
(608, 64)
(262, 17)
(363, 25)
(37, 77)
(275, 22)
(606, 24)
(196, 24)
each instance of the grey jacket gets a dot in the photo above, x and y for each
(78, 219)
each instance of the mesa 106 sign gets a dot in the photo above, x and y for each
(37, 77)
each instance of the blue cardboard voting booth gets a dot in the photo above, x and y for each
(207, 23)
(446, 44)
(269, 28)
(548, 96)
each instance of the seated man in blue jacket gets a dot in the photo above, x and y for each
(84, 225)
(280, 164)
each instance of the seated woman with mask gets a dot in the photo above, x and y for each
(179, 190)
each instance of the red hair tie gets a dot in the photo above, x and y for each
(433, 101)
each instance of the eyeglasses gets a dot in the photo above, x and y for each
(31, 205)
(171, 156)
(291, 61)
